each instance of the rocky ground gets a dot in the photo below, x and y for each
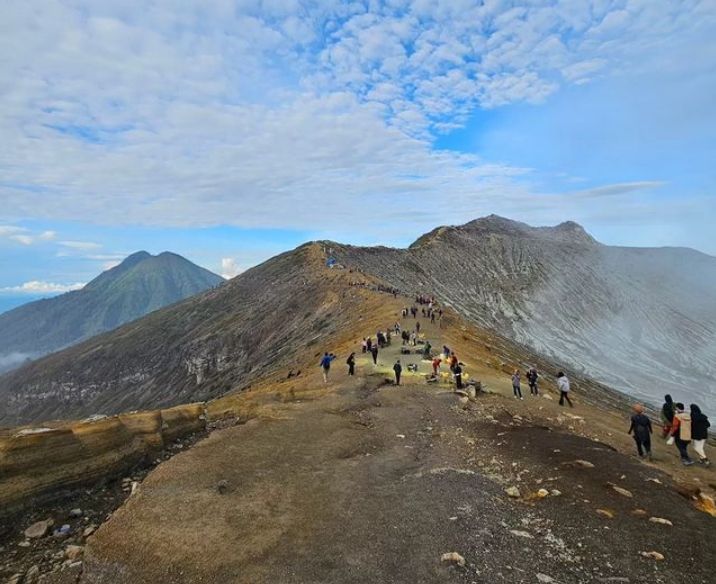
(362, 481)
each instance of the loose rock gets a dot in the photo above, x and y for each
(453, 557)
(74, 552)
(661, 521)
(513, 492)
(38, 529)
(652, 555)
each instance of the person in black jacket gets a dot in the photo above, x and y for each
(641, 428)
(398, 370)
(667, 415)
(351, 362)
(699, 433)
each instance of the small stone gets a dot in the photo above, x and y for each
(74, 552)
(453, 557)
(513, 492)
(520, 533)
(620, 490)
(584, 463)
(652, 555)
(89, 531)
(38, 529)
(15, 579)
(545, 579)
(135, 488)
(542, 493)
(32, 575)
(661, 521)
(76, 513)
(605, 513)
(639, 513)
(222, 486)
(555, 493)
(24, 544)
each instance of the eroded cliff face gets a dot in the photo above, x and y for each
(38, 462)
(641, 320)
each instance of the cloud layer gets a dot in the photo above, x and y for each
(287, 114)
(37, 287)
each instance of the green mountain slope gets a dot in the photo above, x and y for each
(141, 284)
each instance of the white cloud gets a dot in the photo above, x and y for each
(229, 268)
(80, 245)
(23, 239)
(37, 287)
(287, 114)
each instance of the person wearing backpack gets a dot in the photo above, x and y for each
(641, 428)
(699, 433)
(326, 365)
(351, 362)
(564, 388)
(681, 433)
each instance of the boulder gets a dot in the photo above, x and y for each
(39, 529)
(453, 557)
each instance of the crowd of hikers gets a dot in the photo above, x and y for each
(679, 427)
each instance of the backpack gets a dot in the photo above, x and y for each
(684, 427)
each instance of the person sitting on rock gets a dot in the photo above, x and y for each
(641, 429)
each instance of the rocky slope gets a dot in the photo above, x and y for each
(192, 351)
(642, 320)
(141, 284)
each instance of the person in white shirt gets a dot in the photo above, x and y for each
(563, 384)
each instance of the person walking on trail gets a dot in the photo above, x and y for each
(351, 362)
(699, 433)
(374, 353)
(457, 372)
(326, 365)
(369, 344)
(532, 378)
(516, 389)
(398, 369)
(363, 346)
(436, 365)
(417, 327)
(432, 317)
(667, 415)
(563, 385)
(642, 431)
(680, 433)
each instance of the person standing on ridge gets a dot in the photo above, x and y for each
(516, 389)
(563, 385)
(351, 362)
(667, 415)
(398, 369)
(681, 433)
(532, 378)
(374, 353)
(326, 365)
(641, 428)
(457, 372)
(700, 433)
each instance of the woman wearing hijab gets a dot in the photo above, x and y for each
(667, 415)
(699, 433)
(641, 429)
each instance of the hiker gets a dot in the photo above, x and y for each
(641, 427)
(427, 350)
(700, 433)
(326, 365)
(532, 378)
(351, 362)
(413, 339)
(680, 433)
(516, 389)
(432, 317)
(374, 353)
(388, 337)
(453, 361)
(363, 346)
(405, 336)
(457, 372)
(417, 327)
(436, 365)
(446, 351)
(398, 370)
(563, 385)
(667, 415)
(369, 344)
(397, 328)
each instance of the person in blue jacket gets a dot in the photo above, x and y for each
(326, 365)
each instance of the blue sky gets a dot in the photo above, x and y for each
(228, 131)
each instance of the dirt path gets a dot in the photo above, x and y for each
(373, 483)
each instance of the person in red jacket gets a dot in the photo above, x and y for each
(436, 365)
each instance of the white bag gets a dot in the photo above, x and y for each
(670, 441)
